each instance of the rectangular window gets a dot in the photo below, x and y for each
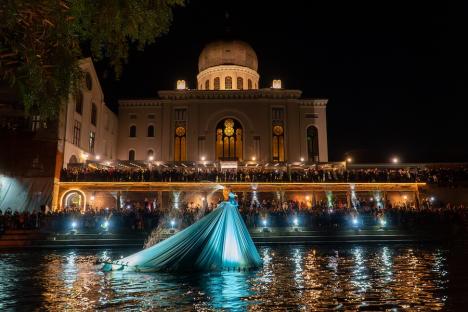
(311, 115)
(92, 141)
(179, 114)
(77, 133)
(36, 122)
(278, 113)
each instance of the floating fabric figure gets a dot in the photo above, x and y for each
(218, 241)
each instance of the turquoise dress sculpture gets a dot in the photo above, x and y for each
(218, 241)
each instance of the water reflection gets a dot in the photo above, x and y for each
(292, 278)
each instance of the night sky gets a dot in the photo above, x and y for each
(395, 74)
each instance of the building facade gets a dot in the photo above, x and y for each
(87, 127)
(227, 118)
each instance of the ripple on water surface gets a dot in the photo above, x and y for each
(351, 277)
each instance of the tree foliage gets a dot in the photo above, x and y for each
(41, 42)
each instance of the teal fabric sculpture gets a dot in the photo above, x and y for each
(218, 241)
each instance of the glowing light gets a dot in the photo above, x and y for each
(128, 207)
(383, 222)
(203, 158)
(296, 221)
(105, 225)
(202, 198)
(371, 199)
(98, 157)
(181, 85)
(276, 84)
(405, 197)
(355, 221)
(254, 158)
(395, 160)
(432, 198)
(74, 225)
(349, 159)
(84, 156)
(172, 223)
(108, 163)
(264, 222)
(92, 197)
(151, 158)
(302, 158)
(307, 197)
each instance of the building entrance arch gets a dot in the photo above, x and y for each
(74, 200)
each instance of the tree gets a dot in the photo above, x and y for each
(41, 42)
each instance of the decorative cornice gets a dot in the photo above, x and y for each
(230, 94)
(313, 102)
(174, 95)
(140, 103)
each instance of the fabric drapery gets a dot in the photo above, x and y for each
(218, 241)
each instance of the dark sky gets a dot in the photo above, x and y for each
(395, 73)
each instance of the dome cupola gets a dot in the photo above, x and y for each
(227, 65)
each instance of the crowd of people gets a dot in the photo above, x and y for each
(440, 176)
(133, 217)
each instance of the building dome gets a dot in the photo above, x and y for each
(230, 52)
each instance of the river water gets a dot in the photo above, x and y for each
(293, 278)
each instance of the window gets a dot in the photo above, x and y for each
(76, 133)
(229, 139)
(79, 103)
(228, 83)
(92, 141)
(180, 144)
(312, 143)
(150, 153)
(132, 131)
(216, 83)
(131, 154)
(93, 114)
(150, 131)
(277, 113)
(249, 84)
(151, 116)
(35, 122)
(240, 83)
(89, 82)
(207, 85)
(179, 114)
(278, 143)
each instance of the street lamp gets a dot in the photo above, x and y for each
(395, 160)
(349, 159)
(302, 158)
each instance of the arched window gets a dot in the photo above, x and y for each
(131, 154)
(229, 138)
(216, 83)
(278, 143)
(228, 83)
(93, 114)
(207, 85)
(150, 153)
(150, 131)
(312, 144)
(79, 103)
(180, 144)
(132, 131)
(249, 84)
(240, 83)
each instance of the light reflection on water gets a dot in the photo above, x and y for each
(292, 278)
